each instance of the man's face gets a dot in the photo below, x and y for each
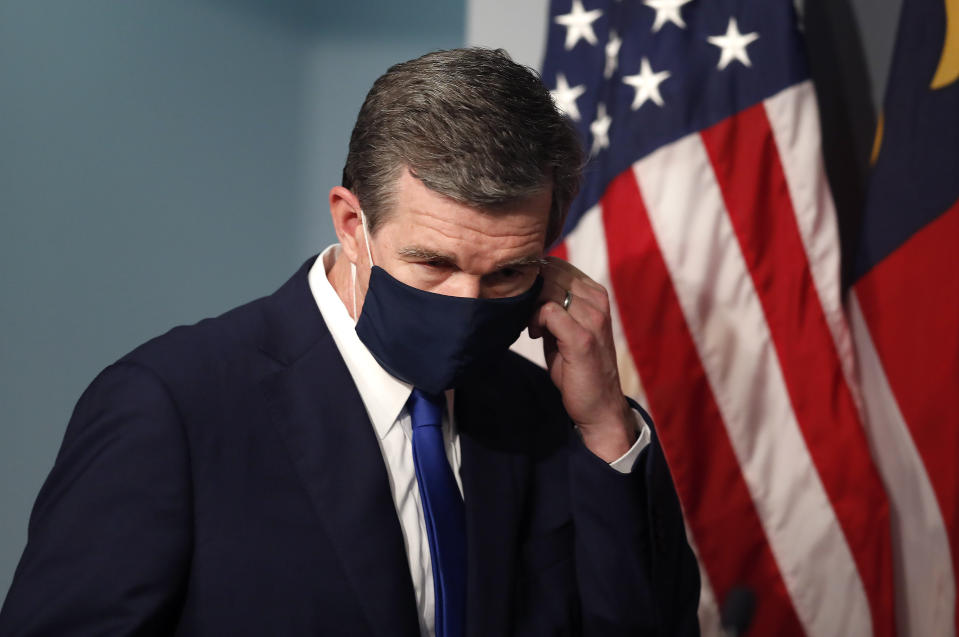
(435, 244)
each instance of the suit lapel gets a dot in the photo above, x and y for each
(494, 475)
(320, 415)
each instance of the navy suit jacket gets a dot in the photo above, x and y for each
(224, 479)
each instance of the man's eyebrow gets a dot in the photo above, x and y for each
(416, 252)
(522, 262)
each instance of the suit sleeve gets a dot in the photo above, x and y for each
(109, 537)
(635, 570)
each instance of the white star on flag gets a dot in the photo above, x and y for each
(599, 129)
(646, 83)
(733, 45)
(579, 24)
(612, 54)
(565, 96)
(667, 11)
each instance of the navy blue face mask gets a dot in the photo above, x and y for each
(433, 341)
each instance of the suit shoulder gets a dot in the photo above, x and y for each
(230, 352)
(279, 325)
(216, 338)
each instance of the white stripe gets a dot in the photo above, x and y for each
(586, 248)
(794, 118)
(925, 583)
(727, 323)
(710, 623)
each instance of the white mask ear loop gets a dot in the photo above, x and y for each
(366, 236)
(366, 240)
(353, 284)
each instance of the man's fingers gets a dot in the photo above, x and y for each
(585, 320)
(550, 350)
(572, 337)
(559, 276)
(581, 308)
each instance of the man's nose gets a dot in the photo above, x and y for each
(467, 286)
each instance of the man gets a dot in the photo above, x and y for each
(358, 454)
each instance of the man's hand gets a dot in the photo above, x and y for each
(578, 344)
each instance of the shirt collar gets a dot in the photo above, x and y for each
(383, 395)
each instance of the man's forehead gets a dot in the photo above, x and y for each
(409, 190)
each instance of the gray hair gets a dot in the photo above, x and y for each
(472, 125)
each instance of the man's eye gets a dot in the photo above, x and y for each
(509, 273)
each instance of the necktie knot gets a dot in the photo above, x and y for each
(426, 410)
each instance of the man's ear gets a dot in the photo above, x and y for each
(345, 211)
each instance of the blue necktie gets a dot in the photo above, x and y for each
(444, 513)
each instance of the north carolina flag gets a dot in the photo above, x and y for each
(904, 311)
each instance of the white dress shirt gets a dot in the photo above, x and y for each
(384, 397)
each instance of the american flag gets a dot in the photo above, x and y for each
(707, 215)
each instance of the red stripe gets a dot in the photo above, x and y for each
(732, 544)
(745, 159)
(560, 251)
(910, 301)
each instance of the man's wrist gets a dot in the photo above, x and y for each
(612, 438)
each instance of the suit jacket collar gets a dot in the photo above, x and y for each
(291, 323)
